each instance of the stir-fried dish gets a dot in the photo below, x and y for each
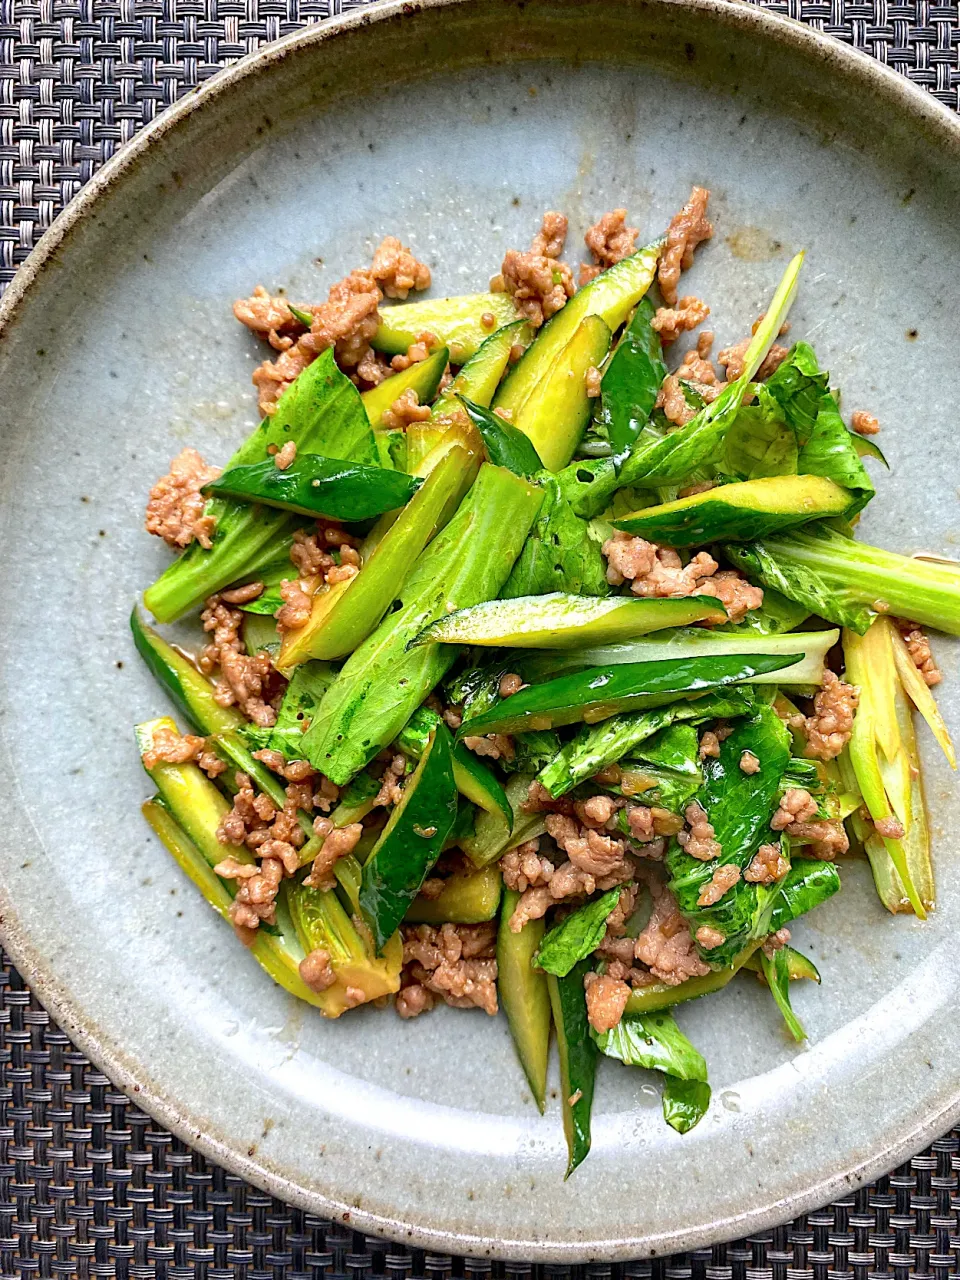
(541, 670)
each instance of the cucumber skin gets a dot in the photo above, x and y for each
(455, 321)
(524, 996)
(381, 684)
(578, 1059)
(424, 377)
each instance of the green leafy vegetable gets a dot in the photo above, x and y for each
(776, 971)
(808, 883)
(654, 1041)
(314, 485)
(578, 1059)
(561, 553)
(685, 1103)
(505, 444)
(631, 380)
(577, 936)
(303, 695)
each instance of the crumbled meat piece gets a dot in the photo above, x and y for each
(749, 762)
(566, 881)
(699, 841)
(592, 382)
(824, 839)
(268, 316)
(396, 270)
(390, 790)
(510, 684)
(654, 570)
(767, 865)
(453, 717)
(708, 937)
(432, 888)
(890, 828)
(291, 770)
(670, 322)
(673, 402)
(327, 795)
(175, 507)
(919, 649)
(539, 800)
(864, 424)
(665, 945)
(242, 595)
(455, 962)
(640, 823)
(316, 970)
(687, 229)
(724, 878)
(733, 358)
(256, 896)
(309, 556)
(709, 744)
(590, 851)
(250, 683)
(606, 1000)
(696, 369)
(170, 746)
(212, 764)
(610, 240)
(337, 843)
(597, 811)
(404, 410)
(417, 351)
(494, 746)
(828, 729)
(775, 941)
(735, 593)
(539, 283)
(285, 457)
(796, 805)
(297, 605)
(523, 868)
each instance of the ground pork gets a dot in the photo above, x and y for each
(404, 410)
(647, 827)
(699, 842)
(824, 838)
(775, 941)
(291, 770)
(455, 962)
(687, 229)
(597, 811)
(673, 402)
(767, 865)
(665, 944)
(297, 605)
(670, 322)
(566, 881)
(890, 828)
(416, 353)
(255, 821)
(337, 843)
(269, 317)
(796, 805)
(733, 358)
(510, 684)
(173, 748)
(724, 878)
(735, 593)
(494, 746)
(609, 240)
(864, 424)
(317, 971)
(539, 800)
(606, 1000)
(248, 682)
(749, 762)
(285, 457)
(697, 372)
(651, 569)
(919, 649)
(709, 744)
(539, 283)
(390, 789)
(242, 595)
(175, 507)
(396, 270)
(597, 854)
(256, 895)
(828, 729)
(592, 382)
(709, 937)
(523, 868)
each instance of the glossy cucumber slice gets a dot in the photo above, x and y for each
(457, 322)
(524, 997)
(578, 1059)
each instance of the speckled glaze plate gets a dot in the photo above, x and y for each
(453, 125)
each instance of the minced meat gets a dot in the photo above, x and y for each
(687, 229)
(175, 507)
(539, 283)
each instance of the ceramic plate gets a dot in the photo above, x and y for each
(454, 125)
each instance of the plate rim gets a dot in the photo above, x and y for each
(845, 61)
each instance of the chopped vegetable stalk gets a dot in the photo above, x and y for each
(381, 684)
(524, 996)
(422, 377)
(798, 965)
(660, 995)
(196, 804)
(314, 485)
(578, 1060)
(343, 615)
(886, 784)
(848, 581)
(457, 322)
(561, 619)
(470, 897)
(577, 936)
(411, 841)
(776, 972)
(918, 691)
(751, 509)
(597, 693)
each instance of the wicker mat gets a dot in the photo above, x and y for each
(89, 1185)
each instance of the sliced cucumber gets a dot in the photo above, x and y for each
(424, 377)
(456, 322)
(578, 1060)
(524, 997)
(471, 898)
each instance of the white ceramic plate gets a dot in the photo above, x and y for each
(454, 125)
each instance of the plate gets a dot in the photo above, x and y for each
(454, 125)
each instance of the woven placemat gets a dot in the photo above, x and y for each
(89, 1185)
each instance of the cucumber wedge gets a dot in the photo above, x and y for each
(578, 1060)
(599, 692)
(750, 509)
(411, 841)
(524, 996)
(457, 322)
(492, 837)
(195, 803)
(555, 413)
(471, 898)
(423, 377)
(559, 620)
(611, 296)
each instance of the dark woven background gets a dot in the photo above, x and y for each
(89, 1186)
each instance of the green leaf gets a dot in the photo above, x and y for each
(760, 443)
(808, 883)
(676, 747)
(654, 1041)
(505, 445)
(685, 1103)
(576, 936)
(631, 380)
(300, 701)
(561, 553)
